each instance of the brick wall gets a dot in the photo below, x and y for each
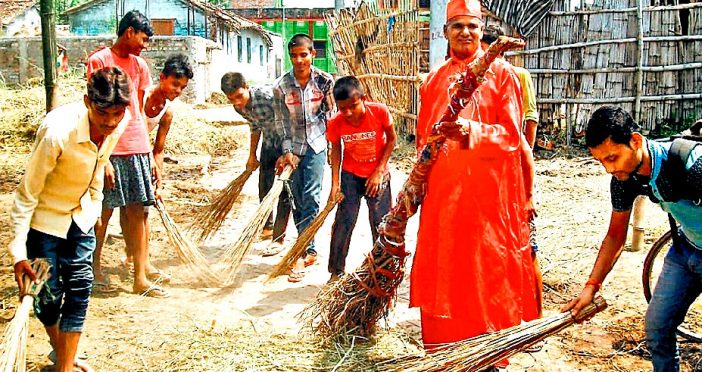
(21, 59)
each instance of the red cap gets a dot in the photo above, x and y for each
(470, 8)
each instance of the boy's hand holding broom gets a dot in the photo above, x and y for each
(23, 268)
(287, 159)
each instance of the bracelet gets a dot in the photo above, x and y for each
(594, 283)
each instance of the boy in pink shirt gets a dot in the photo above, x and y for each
(129, 175)
(368, 137)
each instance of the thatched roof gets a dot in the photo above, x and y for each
(10, 9)
(232, 21)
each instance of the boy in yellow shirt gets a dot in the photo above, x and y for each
(58, 201)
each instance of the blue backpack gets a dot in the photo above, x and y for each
(682, 185)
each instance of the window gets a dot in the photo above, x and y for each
(248, 50)
(164, 26)
(320, 46)
(424, 4)
(239, 48)
(260, 54)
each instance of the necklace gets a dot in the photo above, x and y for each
(154, 97)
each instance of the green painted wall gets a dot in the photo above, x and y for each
(319, 35)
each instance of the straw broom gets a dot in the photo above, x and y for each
(210, 218)
(481, 352)
(234, 255)
(187, 252)
(14, 340)
(298, 249)
(357, 301)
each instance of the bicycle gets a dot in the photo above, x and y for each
(691, 328)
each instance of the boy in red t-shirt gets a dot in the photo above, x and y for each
(368, 137)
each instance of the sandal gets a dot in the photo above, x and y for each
(159, 276)
(310, 260)
(77, 363)
(296, 277)
(273, 249)
(266, 234)
(104, 285)
(154, 291)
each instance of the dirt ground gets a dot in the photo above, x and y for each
(253, 326)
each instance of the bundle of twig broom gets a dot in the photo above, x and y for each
(14, 340)
(210, 218)
(355, 303)
(481, 352)
(298, 249)
(234, 254)
(185, 249)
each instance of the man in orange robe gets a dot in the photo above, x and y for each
(472, 272)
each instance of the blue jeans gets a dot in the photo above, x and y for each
(677, 288)
(354, 188)
(307, 189)
(66, 293)
(266, 177)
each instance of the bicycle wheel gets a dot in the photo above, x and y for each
(691, 328)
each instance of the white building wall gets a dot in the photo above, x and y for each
(26, 24)
(437, 42)
(262, 66)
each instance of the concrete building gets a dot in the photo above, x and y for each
(19, 18)
(237, 43)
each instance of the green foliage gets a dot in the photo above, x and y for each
(674, 124)
(219, 3)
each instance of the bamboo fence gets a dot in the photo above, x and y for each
(638, 54)
(644, 55)
(386, 50)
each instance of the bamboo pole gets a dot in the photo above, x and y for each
(569, 125)
(624, 10)
(601, 42)
(669, 97)
(48, 43)
(406, 115)
(678, 67)
(639, 61)
(637, 236)
(389, 45)
(388, 77)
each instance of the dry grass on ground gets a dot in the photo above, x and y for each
(208, 347)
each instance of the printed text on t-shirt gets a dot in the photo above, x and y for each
(361, 146)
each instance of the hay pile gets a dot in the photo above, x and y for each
(23, 107)
(189, 134)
